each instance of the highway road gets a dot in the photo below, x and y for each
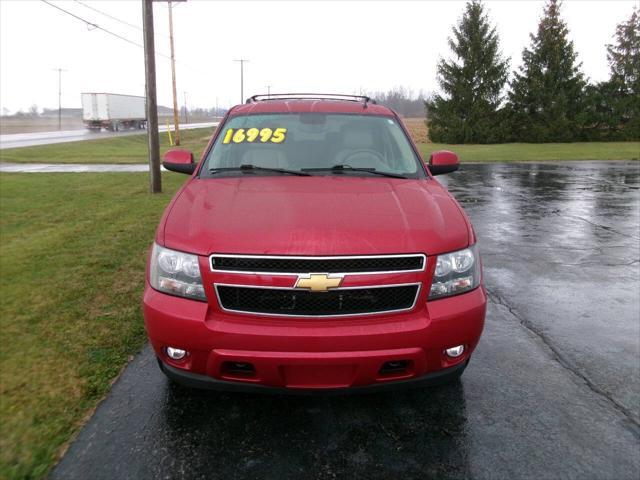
(18, 140)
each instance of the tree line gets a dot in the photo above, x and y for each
(548, 99)
(402, 100)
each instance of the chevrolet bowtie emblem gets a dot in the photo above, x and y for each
(318, 282)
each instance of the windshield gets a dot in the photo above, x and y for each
(315, 143)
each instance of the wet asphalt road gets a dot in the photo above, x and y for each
(19, 140)
(553, 390)
(72, 167)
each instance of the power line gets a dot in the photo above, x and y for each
(109, 16)
(96, 26)
(112, 17)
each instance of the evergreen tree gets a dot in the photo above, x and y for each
(472, 83)
(612, 108)
(600, 118)
(546, 97)
(624, 61)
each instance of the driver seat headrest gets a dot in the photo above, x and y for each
(357, 137)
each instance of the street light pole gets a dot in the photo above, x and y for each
(242, 62)
(155, 179)
(60, 70)
(176, 120)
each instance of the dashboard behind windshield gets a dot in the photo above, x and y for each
(301, 141)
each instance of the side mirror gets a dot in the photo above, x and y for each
(443, 161)
(180, 161)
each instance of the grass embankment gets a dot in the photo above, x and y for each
(525, 152)
(129, 149)
(133, 149)
(72, 255)
(539, 152)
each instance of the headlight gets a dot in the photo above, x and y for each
(176, 273)
(455, 273)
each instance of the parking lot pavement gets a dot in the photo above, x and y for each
(552, 391)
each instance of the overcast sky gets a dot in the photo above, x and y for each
(330, 46)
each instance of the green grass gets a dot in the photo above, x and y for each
(133, 149)
(534, 152)
(72, 255)
(129, 149)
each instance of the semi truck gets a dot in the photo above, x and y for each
(113, 111)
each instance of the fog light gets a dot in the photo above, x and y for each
(176, 353)
(455, 351)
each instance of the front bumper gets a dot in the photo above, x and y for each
(205, 382)
(301, 354)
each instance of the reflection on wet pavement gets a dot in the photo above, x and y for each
(552, 391)
(561, 247)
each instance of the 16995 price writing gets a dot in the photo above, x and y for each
(251, 135)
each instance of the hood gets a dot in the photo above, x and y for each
(317, 215)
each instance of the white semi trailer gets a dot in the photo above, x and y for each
(113, 111)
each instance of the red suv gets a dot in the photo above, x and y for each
(312, 249)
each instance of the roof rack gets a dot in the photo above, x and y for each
(311, 96)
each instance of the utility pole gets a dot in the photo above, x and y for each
(176, 120)
(59, 70)
(155, 179)
(186, 112)
(268, 91)
(242, 62)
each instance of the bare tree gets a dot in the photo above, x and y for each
(402, 100)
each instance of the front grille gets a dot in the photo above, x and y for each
(320, 264)
(352, 301)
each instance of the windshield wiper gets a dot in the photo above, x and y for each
(347, 168)
(253, 168)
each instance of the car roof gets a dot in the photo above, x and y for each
(311, 105)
